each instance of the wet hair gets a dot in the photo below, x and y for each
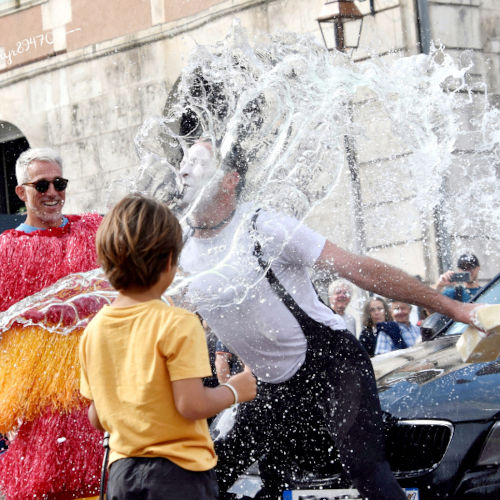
(467, 262)
(216, 108)
(366, 317)
(235, 161)
(337, 284)
(214, 101)
(32, 154)
(135, 240)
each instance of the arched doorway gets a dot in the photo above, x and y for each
(12, 144)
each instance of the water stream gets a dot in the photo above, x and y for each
(423, 131)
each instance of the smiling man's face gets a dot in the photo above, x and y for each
(44, 209)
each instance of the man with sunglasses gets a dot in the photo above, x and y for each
(47, 246)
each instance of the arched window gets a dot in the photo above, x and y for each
(12, 144)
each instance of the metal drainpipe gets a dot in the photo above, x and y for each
(424, 28)
(442, 235)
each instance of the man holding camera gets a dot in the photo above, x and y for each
(461, 285)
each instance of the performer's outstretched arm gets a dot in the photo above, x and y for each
(389, 281)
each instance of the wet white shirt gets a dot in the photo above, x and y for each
(228, 288)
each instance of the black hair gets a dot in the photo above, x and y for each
(467, 262)
(235, 161)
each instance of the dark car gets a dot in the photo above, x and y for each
(443, 415)
(442, 420)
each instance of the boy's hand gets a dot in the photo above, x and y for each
(245, 385)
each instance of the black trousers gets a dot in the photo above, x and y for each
(331, 402)
(139, 478)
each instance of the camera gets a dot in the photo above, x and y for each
(456, 277)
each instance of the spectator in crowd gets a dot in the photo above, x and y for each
(339, 296)
(400, 333)
(375, 311)
(461, 285)
(47, 246)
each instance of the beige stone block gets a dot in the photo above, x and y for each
(85, 115)
(60, 94)
(391, 223)
(116, 150)
(59, 38)
(383, 4)
(56, 13)
(81, 160)
(408, 256)
(381, 33)
(40, 92)
(15, 102)
(56, 131)
(466, 3)
(386, 181)
(120, 110)
(154, 63)
(151, 98)
(84, 80)
(157, 11)
(490, 4)
(376, 138)
(296, 15)
(334, 216)
(121, 69)
(455, 26)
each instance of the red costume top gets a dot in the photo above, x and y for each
(31, 261)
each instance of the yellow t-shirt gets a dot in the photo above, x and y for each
(129, 356)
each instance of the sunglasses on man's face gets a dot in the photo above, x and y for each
(42, 186)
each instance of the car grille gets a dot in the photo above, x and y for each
(417, 446)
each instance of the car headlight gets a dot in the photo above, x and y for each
(490, 454)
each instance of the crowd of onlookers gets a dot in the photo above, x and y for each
(386, 325)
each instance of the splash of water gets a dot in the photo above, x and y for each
(418, 124)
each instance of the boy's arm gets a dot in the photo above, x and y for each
(93, 418)
(195, 401)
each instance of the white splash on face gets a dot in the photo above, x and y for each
(198, 167)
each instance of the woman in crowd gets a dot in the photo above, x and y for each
(375, 311)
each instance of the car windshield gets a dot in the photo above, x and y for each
(490, 296)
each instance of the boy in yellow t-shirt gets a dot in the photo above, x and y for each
(142, 362)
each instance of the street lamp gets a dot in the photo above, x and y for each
(334, 15)
(332, 21)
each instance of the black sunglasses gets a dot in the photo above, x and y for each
(42, 186)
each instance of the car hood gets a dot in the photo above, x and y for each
(431, 381)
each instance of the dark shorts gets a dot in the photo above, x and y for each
(139, 478)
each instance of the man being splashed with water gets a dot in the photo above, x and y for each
(248, 277)
(43, 249)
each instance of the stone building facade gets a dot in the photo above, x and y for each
(83, 75)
